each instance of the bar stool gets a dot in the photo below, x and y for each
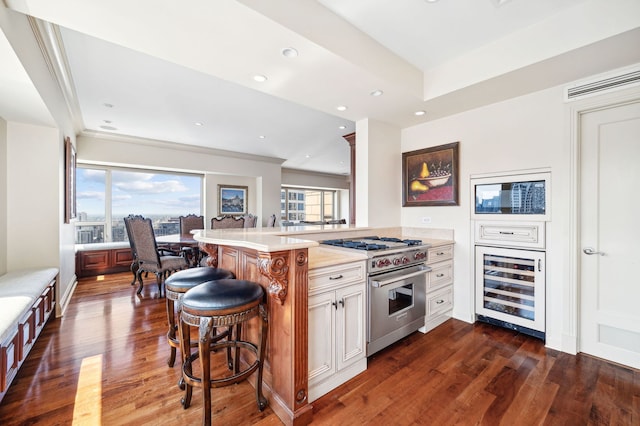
(176, 285)
(221, 303)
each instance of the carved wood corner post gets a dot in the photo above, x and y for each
(288, 288)
(212, 251)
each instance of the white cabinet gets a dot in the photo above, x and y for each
(337, 315)
(439, 286)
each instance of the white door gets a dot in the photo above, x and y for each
(610, 234)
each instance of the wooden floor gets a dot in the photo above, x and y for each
(104, 363)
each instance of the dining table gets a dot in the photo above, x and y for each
(181, 243)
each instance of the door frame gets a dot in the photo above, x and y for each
(571, 293)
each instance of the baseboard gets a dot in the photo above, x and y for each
(569, 344)
(62, 304)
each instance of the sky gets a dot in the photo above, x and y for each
(137, 193)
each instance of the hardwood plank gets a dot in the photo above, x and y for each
(105, 361)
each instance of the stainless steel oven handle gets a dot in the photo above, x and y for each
(382, 283)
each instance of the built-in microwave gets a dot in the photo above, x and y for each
(513, 196)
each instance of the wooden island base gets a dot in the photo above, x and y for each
(284, 276)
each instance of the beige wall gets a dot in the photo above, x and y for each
(307, 179)
(3, 196)
(260, 174)
(378, 173)
(32, 229)
(314, 180)
(33, 187)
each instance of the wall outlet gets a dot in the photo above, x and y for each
(426, 219)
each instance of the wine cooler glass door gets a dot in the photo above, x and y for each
(510, 286)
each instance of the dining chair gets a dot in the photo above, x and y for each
(250, 221)
(148, 257)
(224, 222)
(187, 224)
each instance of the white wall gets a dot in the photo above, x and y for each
(522, 133)
(3, 196)
(378, 174)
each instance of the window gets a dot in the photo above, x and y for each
(105, 196)
(307, 204)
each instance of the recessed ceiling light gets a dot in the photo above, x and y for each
(341, 108)
(261, 137)
(431, 1)
(108, 128)
(342, 127)
(419, 113)
(107, 121)
(307, 156)
(197, 123)
(108, 105)
(289, 52)
(260, 78)
(376, 93)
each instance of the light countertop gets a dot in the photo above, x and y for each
(327, 256)
(296, 237)
(271, 239)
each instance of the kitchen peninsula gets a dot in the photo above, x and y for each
(280, 259)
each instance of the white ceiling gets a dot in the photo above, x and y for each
(164, 66)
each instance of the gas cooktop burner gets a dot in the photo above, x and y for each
(398, 240)
(372, 243)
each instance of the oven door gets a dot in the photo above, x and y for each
(396, 305)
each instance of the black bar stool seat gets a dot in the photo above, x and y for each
(222, 303)
(176, 286)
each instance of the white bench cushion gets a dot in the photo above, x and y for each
(18, 291)
(102, 246)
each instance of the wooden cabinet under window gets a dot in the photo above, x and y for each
(99, 262)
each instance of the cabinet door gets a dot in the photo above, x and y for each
(322, 314)
(350, 324)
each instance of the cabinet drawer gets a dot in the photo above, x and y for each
(336, 276)
(438, 254)
(523, 234)
(439, 302)
(441, 274)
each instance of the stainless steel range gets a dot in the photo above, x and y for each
(396, 287)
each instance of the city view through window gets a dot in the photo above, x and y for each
(105, 196)
(298, 204)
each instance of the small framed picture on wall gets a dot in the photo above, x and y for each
(232, 200)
